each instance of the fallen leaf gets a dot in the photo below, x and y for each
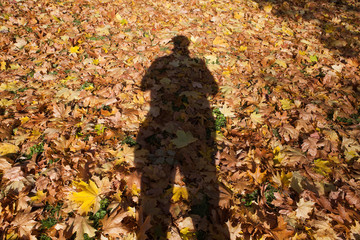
(304, 209)
(88, 197)
(183, 139)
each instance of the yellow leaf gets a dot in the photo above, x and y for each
(278, 154)
(56, 19)
(8, 148)
(135, 190)
(12, 86)
(118, 17)
(186, 234)
(87, 198)
(321, 166)
(179, 192)
(238, 15)
(96, 61)
(286, 104)
(14, 66)
(302, 52)
(40, 195)
(281, 63)
(123, 22)
(283, 179)
(268, 8)
(288, 31)
(74, 49)
(24, 120)
(220, 41)
(219, 136)
(2, 65)
(90, 87)
(243, 48)
(103, 31)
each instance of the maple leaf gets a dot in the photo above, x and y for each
(283, 179)
(127, 155)
(321, 166)
(256, 118)
(258, 176)
(183, 139)
(60, 111)
(74, 49)
(179, 192)
(24, 223)
(281, 231)
(88, 197)
(304, 208)
(227, 111)
(112, 224)
(351, 147)
(288, 132)
(324, 230)
(82, 226)
(310, 146)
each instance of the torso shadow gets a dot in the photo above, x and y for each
(176, 150)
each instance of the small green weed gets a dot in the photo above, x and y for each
(36, 149)
(220, 119)
(129, 140)
(101, 213)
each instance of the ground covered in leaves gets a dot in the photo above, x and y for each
(287, 114)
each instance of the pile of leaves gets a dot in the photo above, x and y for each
(287, 114)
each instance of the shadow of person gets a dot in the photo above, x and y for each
(175, 158)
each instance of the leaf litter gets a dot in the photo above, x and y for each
(287, 143)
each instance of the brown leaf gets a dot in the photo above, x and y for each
(82, 226)
(112, 225)
(281, 231)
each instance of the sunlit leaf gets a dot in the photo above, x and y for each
(87, 197)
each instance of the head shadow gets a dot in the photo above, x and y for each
(176, 150)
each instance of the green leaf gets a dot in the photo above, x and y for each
(313, 58)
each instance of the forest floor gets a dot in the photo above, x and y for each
(287, 114)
